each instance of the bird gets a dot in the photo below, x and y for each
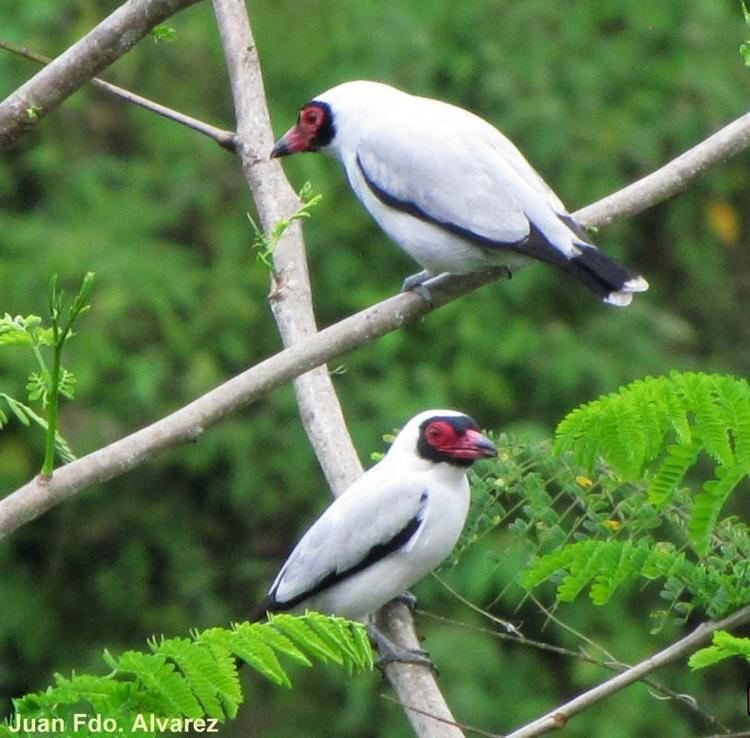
(449, 188)
(390, 528)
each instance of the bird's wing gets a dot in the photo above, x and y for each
(456, 172)
(366, 524)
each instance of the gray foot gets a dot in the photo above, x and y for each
(415, 284)
(408, 599)
(389, 652)
(416, 280)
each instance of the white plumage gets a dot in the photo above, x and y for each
(391, 527)
(448, 187)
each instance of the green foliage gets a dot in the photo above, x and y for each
(745, 45)
(266, 244)
(587, 528)
(655, 429)
(27, 416)
(163, 33)
(724, 646)
(179, 308)
(48, 384)
(639, 444)
(197, 677)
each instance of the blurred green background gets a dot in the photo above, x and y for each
(596, 94)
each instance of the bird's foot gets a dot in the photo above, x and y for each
(389, 652)
(408, 599)
(415, 284)
(416, 280)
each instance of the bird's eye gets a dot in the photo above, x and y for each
(434, 431)
(311, 117)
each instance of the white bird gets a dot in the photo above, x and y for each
(449, 188)
(390, 528)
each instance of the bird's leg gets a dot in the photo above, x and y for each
(416, 280)
(389, 652)
(415, 284)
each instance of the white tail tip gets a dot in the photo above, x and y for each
(623, 297)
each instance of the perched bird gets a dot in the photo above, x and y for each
(449, 188)
(390, 528)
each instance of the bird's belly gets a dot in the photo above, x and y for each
(437, 249)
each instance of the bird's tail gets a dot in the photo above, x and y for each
(604, 276)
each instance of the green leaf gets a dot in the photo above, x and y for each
(160, 678)
(265, 245)
(197, 676)
(18, 409)
(725, 645)
(659, 427)
(163, 33)
(671, 472)
(207, 680)
(708, 503)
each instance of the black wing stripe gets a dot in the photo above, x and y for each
(411, 209)
(534, 244)
(376, 553)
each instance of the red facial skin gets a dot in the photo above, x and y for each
(470, 444)
(300, 138)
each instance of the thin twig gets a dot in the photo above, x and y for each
(559, 717)
(453, 723)
(225, 139)
(613, 664)
(105, 43)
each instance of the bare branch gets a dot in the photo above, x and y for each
(189, 422)
(291, 296)
(105, 43)
(686, 701)
(415, 685)
(671, 179)
(291, 301)
(225, 139)
(559, 717)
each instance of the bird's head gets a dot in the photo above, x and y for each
(334, 116)
(314, 130)
(444, 436)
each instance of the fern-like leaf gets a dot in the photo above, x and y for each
(708, 503)
(254, 643)
(197, 677)
(724, 646)
(619, 563)
(657, 428)
(209, 682)
(161, 679)
(668, 477)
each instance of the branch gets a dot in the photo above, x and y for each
(417, 690)
(225, 139)
(559, 717)
(189, 422)
(291, 296)
(671, 179)
(291, 302)
(684, 700)
(104, 44)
